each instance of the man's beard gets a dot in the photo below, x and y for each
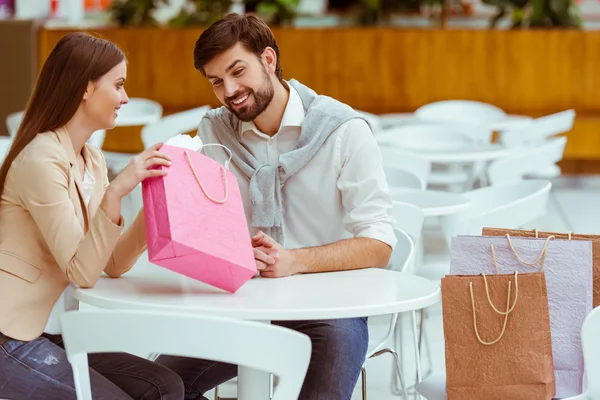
(262, 99)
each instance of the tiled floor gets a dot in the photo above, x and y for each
(573, 207)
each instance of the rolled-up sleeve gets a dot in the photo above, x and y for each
(365, 195)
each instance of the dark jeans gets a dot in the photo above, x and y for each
(339, 348)
(39, 370)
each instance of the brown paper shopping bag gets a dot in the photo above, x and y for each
(497, 333)
(595, 239)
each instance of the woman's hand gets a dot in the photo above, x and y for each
(138, 169)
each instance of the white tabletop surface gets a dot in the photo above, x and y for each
(434, 203)
(472, 153)
(346, 294)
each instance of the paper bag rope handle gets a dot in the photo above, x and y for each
(506, 314)
(189, 160)
(542, 253)
(537, 234)
(487, 292)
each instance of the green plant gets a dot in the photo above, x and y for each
(274, 12)
(537, 13)
(134, 12)
(201, 12)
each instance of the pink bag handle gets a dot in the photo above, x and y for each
(189, 160)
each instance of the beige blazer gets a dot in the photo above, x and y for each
(48, 237)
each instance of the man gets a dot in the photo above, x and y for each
(313, 187)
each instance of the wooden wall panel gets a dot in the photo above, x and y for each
(533, 72)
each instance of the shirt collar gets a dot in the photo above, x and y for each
(292, 116)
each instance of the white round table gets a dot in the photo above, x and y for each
(434, 203)
(347, 294)
(477, 152)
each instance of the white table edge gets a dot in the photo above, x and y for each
(274, 315)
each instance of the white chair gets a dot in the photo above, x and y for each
(435, 137)
(399, 261)
(172, 125)
(508, 206)
(394, 120)
(97, 139)
(467, 111)
(590, 332)
(283, 352)
(399, 177)
(5, 143)
(539, 130)
(408, 161)
(139, 111)
(13, 121)
(373, 121)
(516, 167)
(409, 219)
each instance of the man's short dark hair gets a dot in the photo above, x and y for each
(249, 30)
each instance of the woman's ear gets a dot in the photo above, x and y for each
(88, 91)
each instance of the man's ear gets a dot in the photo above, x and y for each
(269, 59)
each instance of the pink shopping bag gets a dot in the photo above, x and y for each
(195, 221)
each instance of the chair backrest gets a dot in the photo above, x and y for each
(409, 218)
(503, 206)
(533, 158)
(540, 129)
(373, 121)
(406, 160)
(265, 347)
(466, 111)
(397, 119)
(173, 125)
(13, 121)
(403, 253)
(139, 111)
(97, 139)
(590, 332)
(400, 178)
(433, 137)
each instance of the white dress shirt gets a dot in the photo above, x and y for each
(341, 193)
(67, 301)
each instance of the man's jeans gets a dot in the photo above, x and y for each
(338, 353)
(39, 370)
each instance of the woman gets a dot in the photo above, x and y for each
(60, 227)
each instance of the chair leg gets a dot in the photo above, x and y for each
(398, 368)
(363, 373)
(422, 339)
(396, 389)
(417, 352)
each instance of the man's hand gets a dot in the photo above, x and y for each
(265, 256)
(285, 265)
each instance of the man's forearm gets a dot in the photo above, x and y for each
(355, 253)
